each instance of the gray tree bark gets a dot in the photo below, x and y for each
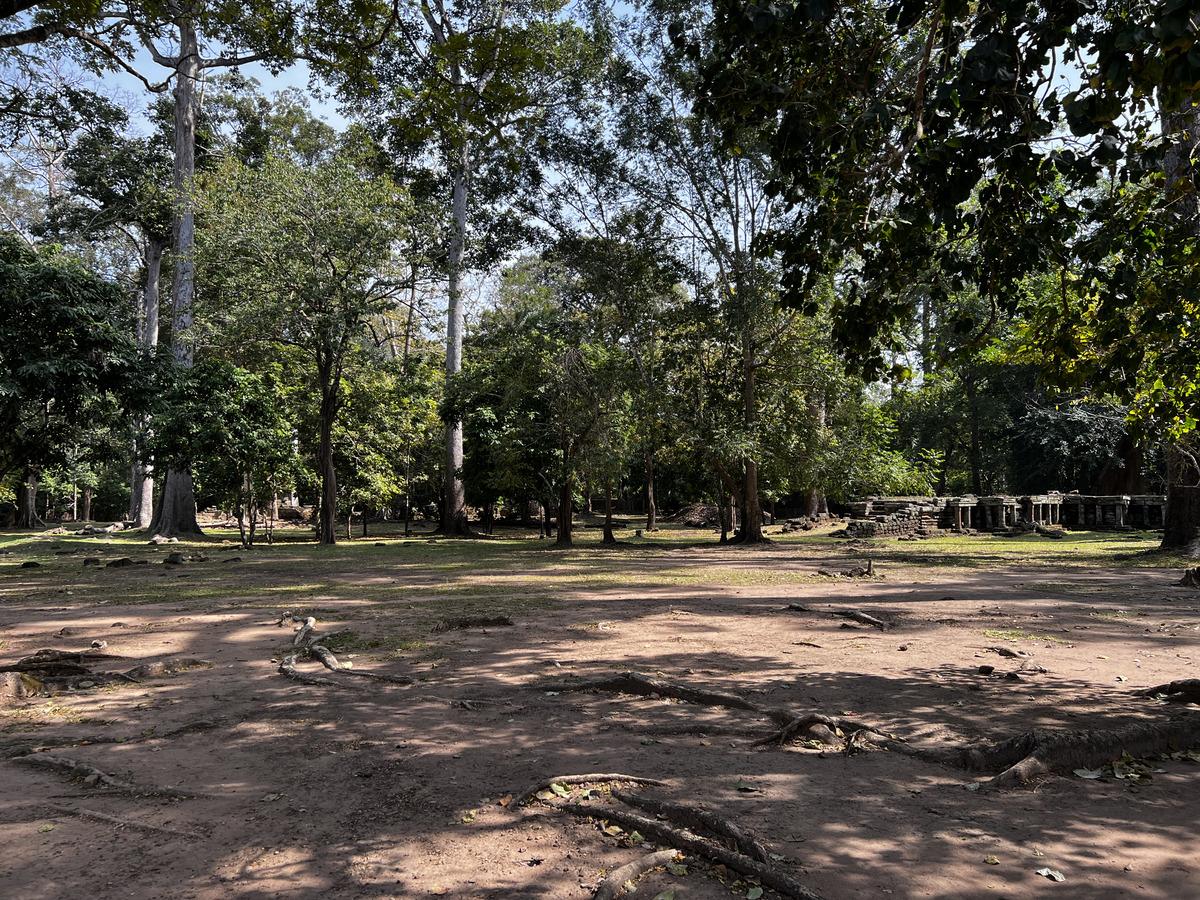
(176, 510)
(141, 484)
(1182, 517)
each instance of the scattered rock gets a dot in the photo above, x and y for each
(31, 564)
(119, 563)
(173, 559)
(986, 670)
(91, 561)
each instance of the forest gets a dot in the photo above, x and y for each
(578, 257)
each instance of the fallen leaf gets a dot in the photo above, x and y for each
(544, 795)
(973, 786)
(271, 797)
(614, 830)
(1089, 773)
(668, 894)
(636, 838)
(560, 789)
(1052, 874)
(754, 893)
(749, 789)
(992, 860)
(677, 868)
(42, 829)
(505, 800)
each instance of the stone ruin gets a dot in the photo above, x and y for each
(1003, 514)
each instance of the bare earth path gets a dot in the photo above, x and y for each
(381, 790)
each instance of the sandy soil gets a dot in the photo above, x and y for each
(394, 791)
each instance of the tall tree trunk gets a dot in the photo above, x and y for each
(85, 509)
(651, 507)
(1182, 517)
(176, 511)
(608, 538)
(141, 479)
(751, 532)
(813, 499)
(566, 495)
(328, 515)
(454, 516)
(27, 490)
(974, 450)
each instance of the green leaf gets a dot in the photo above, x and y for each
(668, 894)
(677, 868)
(560, 789)
(992, 860)
(754, 893)
(42, 829)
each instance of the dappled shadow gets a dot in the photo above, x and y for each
(308, 790)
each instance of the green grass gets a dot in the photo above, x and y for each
(511, 573)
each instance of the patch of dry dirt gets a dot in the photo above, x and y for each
(393, 791)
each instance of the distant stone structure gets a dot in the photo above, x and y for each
(921, 516)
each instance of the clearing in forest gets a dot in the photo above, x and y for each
(402, 718)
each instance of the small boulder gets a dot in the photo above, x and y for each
(174, 559)
(119, 563)
(91, 561)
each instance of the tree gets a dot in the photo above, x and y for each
(122, 184)
(302, 256)
(931, 141)
(468, 85)
(542, 390)
(230, 428)
(65, 344)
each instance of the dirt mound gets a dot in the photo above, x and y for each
(696, 515)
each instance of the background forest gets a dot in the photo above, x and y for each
(633, 257)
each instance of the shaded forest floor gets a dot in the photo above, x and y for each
(230, 780)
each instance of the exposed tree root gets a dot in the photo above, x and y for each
(95, 816)
(619, 880)
(329, 661)
(58, 662)
(863, 619)
(457, 624)
(1186, 690)
(1042, 751)
(642, 685)
(595, 778)
(166, 667)
(682, 839)
(310, 642)
(696, 817)
(287, 666)
(1015, 760)
(47, 672)
(792, 724)
(94, 776)
(1191, 577)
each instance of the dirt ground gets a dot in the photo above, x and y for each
(272, 788)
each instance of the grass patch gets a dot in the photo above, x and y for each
(1016, 634)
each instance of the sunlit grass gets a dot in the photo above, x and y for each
(513, 570)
